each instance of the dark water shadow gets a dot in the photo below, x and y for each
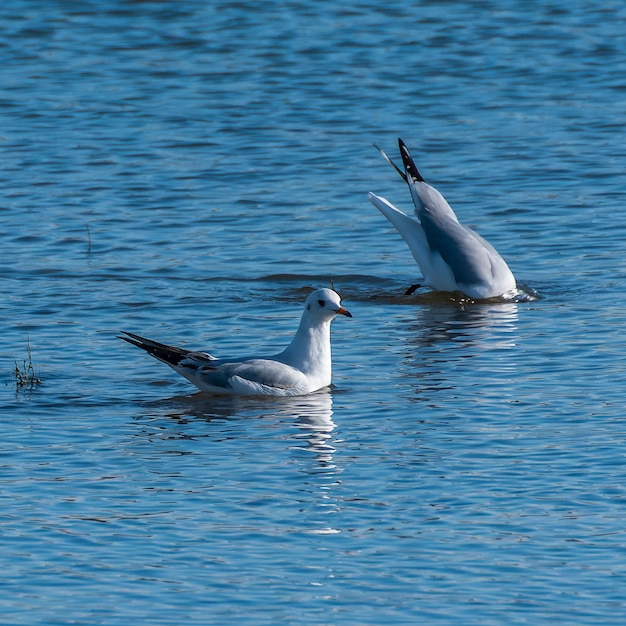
(367, 288)
(395, 293)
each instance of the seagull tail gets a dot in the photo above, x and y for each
(410, 229)
(168, 354)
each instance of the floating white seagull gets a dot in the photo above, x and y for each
(303, 367)
(451, 257)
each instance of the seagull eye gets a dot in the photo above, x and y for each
(321, 302)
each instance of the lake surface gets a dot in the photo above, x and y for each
(189, 171)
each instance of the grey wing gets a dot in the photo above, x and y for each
(429, 200)
(471, 258)
(251, 373)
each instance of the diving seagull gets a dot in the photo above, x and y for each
(451, 256)
(303, 367)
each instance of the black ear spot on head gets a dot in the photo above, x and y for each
(308, 307)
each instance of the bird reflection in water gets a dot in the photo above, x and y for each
(444, 338)
(311, 415)
(314, 419)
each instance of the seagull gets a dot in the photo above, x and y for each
(303, 367)
(451, 256)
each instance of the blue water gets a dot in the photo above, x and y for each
(188, 171)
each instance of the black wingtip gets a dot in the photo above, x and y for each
(168, 354)
(130, 339)
(409, 166)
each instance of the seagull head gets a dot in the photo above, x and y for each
(324, 304)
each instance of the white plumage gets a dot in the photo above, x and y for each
(451, 256)
(303, 367)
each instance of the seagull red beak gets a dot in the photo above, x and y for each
(342, 311)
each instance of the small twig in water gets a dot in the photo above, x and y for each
(26, 377)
